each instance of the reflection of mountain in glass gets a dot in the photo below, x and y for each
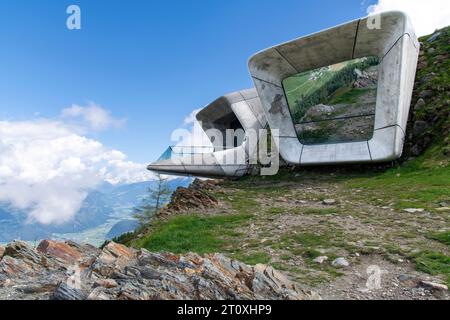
(335, 103)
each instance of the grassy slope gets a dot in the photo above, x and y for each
(280, 220)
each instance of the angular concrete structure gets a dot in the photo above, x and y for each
(239, 111)
(374, 58)
(396, 46)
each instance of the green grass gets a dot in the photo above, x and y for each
(253, 258)
(311, 239)
(434, 263)
(276, 210)
(318, 211)
(311, 254)
(412, 185)
(443, 237)
(193, 233)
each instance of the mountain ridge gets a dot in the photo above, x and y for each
(98, 207)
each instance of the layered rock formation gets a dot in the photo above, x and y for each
(69, 271)
(195, 196)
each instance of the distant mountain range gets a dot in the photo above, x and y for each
(105, 213)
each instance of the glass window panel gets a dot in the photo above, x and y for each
(336, 103)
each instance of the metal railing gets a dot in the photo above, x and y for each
(182, 151)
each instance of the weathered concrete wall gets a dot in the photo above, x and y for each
(397, 47)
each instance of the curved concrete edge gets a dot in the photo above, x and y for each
(246, 107)
(335, 153)
(222, 106)
(395, 44)
(229, 163)
(387, 144)
(174, 166)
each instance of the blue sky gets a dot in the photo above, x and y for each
(151, 62)
(64, 94)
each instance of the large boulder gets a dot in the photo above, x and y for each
(59, 250)
(22, 251)
(114, 258)
(66, 292)
(13, 267)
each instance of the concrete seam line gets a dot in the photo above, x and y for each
(285, 59)
(243, 98)
(370, 153)
(276, 85)
(356, 39)
(301, 154)
(255, 113)
(182, 164)
(395, 43)
(390, 126)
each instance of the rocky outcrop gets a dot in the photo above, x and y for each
(196, 196)
(68, 271)
(59, 250)
(429, 120)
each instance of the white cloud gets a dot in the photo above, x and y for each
(192, 134)
(47, 168)
(191, 118)
(96, 117)
(426, 15)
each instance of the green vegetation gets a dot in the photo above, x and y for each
(443, 237)
(253, 258)
(411, 185)
(311, 239)
(434, 263)
(156, 198)
(319, 211)
(192, 233)
(434, 74)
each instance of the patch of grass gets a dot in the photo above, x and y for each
(412, 185)
(406, 234)
(327, 237)
(311, 239)
(192, 233)
(280, 266)
(393, 248)
(434, 263)
(276, 210)
(238, 201)
(253, 258)
(311, 254)
(318, 211)
(285, 257)
(443, 237)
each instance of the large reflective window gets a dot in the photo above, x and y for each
(336, 103)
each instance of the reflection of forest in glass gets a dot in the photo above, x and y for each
(334, 103)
